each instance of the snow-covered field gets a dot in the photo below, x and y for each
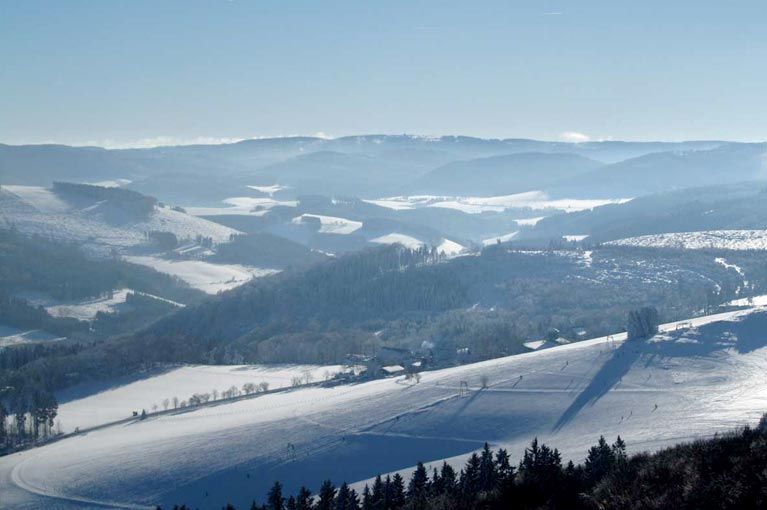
(15, 336)
(242, 206)
(86, 310)
(269, 190)
(330, 224)
(208, 277)
(446, 246)
(537, 200)
(88, 406)
(711, 239)
(37, 210)
(680, 385)
(529, 222)
(394, 238)
(450, 248)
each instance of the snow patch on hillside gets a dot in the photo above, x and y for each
(529, 222)
(86, 310)
(502, 239)
(242, 206)
(269, 190)
(35, 210)
(536, 200)
(450, 248)
(711, 239)
(205, 276)
(10, 335)
(395, 238)
(330, 224)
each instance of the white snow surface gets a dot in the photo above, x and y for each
(269, 190)
(710, 239)
(331, 224)
(679, 385)
(10, 335)
(37, 210)
(395, 238)
(86, 310)
(205, 276)
(242, 206)
(536, 200)
(450, 248)
(502, 238)
(575, 237)
(114, 183)
(116, 403)
(529, 222)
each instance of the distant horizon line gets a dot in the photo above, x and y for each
(169, 142)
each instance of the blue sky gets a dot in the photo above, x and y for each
(138, 73)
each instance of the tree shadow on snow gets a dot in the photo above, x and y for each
(743, 335)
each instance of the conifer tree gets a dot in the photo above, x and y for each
(417, 488)
(304, 499)
(449, 479)
(377, 496)
(326, 496)
(274, 499)
(599, 461)
(503, 467)
(367, 499)
(470, 477)
(342, 497)
(487, 474)
(397, 491)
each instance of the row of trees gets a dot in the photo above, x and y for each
(726, 472)
(29, 416)
(197, 399)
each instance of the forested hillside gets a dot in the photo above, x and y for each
(490, 304)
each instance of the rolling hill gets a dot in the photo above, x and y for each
(681, 384)
(503, 175)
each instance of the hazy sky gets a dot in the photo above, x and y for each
(127, 73)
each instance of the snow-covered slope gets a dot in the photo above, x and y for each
(711, 239)
(536, 200)
(86, 310)
(395, 238)
(208, 277)
(330, 224)
(88, 406)
(37, 210)
(10, 335)
(676, 386)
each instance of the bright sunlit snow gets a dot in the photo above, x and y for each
(712, 239)
(206, 276)
(90, 405)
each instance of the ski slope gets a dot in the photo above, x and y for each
(676, 386)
